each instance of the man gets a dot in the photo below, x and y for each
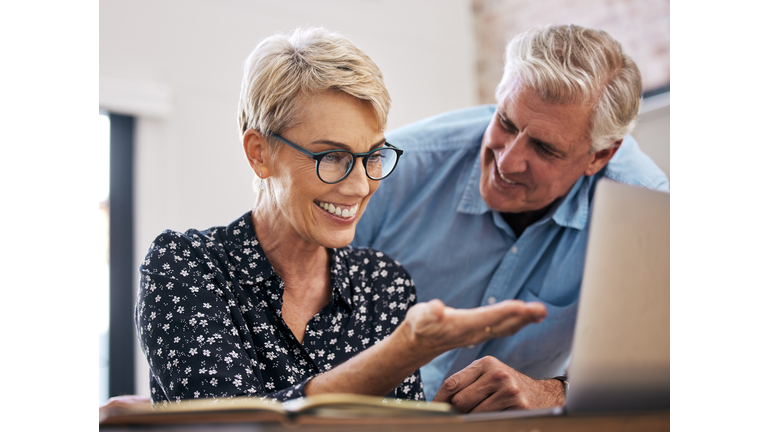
(492, 203)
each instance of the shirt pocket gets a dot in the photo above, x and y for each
(556, 313)
(555, 285)
(539, 350)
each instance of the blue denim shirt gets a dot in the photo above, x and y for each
(430, 217)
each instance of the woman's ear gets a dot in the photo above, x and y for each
(257, 152)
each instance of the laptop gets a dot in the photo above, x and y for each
(620, 355)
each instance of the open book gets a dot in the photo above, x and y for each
(244, 409)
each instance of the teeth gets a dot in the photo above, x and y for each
(505, 179)
(345, 213)
(502, 176)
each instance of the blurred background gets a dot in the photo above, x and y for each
(169, 80)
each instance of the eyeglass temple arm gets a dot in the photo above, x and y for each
(301, 149)
(312, 155)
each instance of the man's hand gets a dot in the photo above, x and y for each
(489, 385)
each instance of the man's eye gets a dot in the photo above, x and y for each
(508, 127)
(544, 149)
(506, 124)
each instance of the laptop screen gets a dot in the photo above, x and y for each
(620, 356)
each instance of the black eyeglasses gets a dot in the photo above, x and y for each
(333, 166)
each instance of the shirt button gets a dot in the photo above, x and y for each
(491, 300)
(514, 249)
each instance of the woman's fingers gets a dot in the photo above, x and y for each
(446, 328)
(501, 319)
(511, 318)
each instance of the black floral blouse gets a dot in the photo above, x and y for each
(208, 317)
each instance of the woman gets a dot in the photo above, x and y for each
(277, 304)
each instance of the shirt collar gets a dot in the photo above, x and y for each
(242, 237)
(471, 202)
(572, 211)
(340, 282)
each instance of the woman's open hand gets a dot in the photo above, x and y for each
(429, 329)
(435, 327)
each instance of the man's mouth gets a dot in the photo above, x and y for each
(340, 210)
(501, 176)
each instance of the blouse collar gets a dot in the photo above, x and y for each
(241, 237)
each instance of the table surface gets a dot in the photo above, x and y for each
(619, 422)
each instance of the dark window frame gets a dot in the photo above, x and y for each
(121, 265)
(656, 91)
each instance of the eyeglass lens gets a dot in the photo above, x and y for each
(334, 165)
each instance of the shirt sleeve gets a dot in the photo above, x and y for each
(376, 212)
(186, 329)
(412, 387)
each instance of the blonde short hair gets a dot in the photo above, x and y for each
(569, 63)
(283, 70)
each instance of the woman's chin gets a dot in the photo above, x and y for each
(338, 239)
(334, 231)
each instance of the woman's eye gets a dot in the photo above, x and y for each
(331, 158)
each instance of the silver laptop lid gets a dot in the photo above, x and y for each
(620, 356)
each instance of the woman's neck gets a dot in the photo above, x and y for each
(292, 257)
(303, 266)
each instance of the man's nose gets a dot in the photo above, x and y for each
(356, 183)
(513, 156)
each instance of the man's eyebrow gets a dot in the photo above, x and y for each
(547, 145)
(346, 147)
(503, 117)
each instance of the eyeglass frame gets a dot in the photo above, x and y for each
(319, 156)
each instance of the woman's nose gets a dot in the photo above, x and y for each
(356, 183)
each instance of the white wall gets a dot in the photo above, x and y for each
(652, 130)
(176, 64)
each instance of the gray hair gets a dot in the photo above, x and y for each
(283, 70)
(566, 64)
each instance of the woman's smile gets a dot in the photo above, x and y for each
(339, 210)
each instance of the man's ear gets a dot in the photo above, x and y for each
(601, 158)
(256, 149)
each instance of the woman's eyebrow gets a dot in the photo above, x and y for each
(346, 147)
(378, 144)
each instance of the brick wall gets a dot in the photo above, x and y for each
(641, 26)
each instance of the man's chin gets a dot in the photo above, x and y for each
(498, 201)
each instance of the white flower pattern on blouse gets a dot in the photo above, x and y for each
(208, 317)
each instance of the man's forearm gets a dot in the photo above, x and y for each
(552, 393)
